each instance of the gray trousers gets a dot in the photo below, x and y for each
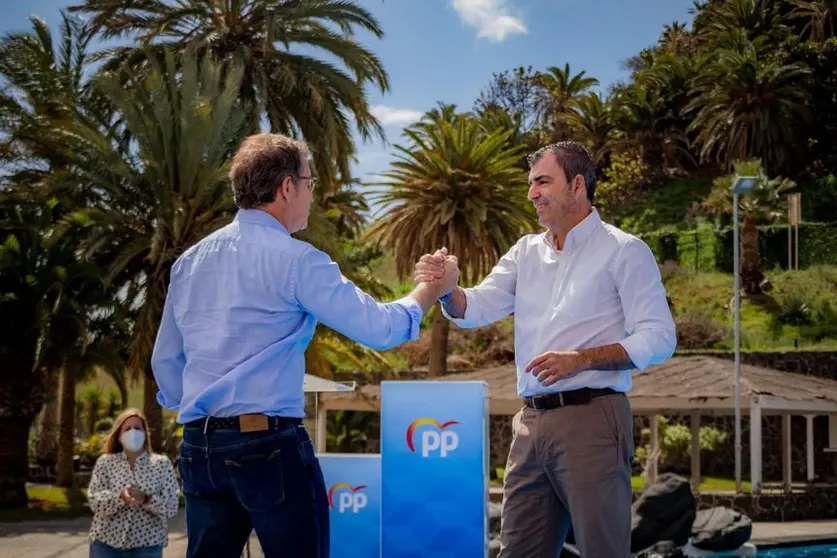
(571, 464)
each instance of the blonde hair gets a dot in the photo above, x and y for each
(112, 443)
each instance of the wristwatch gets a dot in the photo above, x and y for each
(446, 298)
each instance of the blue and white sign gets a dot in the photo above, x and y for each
(353, 482)
(434, 465)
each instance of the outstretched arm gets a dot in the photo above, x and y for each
(488, 302)
(322, 290)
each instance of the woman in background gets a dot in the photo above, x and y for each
(133, 492)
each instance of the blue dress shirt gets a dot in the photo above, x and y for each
(241, 309)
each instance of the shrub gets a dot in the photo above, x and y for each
(676, 445)
(104, 424)
(696, 331)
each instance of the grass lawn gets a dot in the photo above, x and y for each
(708, 484)
(49, 502)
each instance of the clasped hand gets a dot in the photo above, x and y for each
(133, 495)
(440, 267)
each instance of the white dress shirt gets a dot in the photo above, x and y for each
(120, 524)
(604, 287)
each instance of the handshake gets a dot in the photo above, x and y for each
(438, 270)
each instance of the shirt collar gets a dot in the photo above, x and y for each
(579, 233)
(259, 217)
(141, 458)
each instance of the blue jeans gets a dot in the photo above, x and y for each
(98, 549)
(269, 481)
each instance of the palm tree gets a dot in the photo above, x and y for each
(820, 17)
(43, 84)
(725, 24)
(649, 125)
(557, 89)
(162, 189)
(298, 93)
(746, 107)
(592, 119)
(766, 204)
(453, 185)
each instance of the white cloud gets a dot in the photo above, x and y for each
(389, 116)
(492, 18)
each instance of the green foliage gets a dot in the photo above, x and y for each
(103, 425)
(806, 304)
(89, 449)
(800, 311)
(625, 179)
(664, 207)
(676, 444)
(349, 431)
(765, 203)
(708, 248)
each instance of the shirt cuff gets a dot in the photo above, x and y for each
(161, 399)
(416, 314)
(638, 351)
(467, 320)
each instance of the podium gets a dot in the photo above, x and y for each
(353, 482)
(434, 469)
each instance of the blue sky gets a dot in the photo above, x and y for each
(447, 50)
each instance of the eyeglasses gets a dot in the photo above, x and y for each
(312, 181)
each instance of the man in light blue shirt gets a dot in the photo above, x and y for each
(241, 310)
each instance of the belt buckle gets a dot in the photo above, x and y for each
(560, 399)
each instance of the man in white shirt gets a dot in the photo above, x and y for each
(589, 306)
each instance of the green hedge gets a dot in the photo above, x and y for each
(708, 248)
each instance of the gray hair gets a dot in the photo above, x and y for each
(261, 164)
(574, 159)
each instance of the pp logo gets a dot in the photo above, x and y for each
(435, 439)
(349, 497)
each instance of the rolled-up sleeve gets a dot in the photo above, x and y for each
(493, 298)
(323, 291)
(652, 336)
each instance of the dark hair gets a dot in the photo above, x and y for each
(261, 164)
(574, 159)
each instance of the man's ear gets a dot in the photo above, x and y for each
(285, 188)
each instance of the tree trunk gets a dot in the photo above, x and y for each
(14, 459)
(93, 405)
(65, 470)
(21, 398)
(47, 445)
(751, 275)
(153, 412)
(439, 344)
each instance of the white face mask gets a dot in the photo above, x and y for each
(133, 439)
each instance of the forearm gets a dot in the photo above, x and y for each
(106, 502)
(164, 505)
(607, 357)
(426, 295)
(456, 304)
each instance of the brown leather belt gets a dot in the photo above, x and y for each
(580, 396)
(244, 423)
